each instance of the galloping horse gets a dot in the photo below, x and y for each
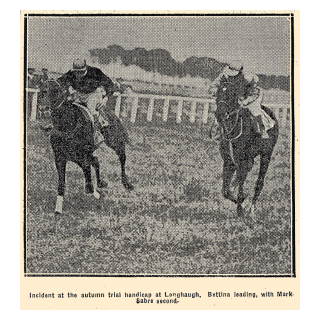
(241, 144)
(72, 139)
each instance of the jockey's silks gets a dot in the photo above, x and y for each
(93, 79)
(253, 103)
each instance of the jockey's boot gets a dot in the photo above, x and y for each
(218, 134)
(263, 132)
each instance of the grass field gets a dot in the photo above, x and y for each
(175, 221)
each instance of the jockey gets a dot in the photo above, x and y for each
(250, 97)
(229, 72)
(252, 100)
(88, 87)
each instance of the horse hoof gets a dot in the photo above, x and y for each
(57, 213)
(89, 189)
(127, 185)
(96, 194)
(247, 204)
(102, 184)
(240, 210)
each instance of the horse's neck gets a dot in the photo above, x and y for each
(65, 117)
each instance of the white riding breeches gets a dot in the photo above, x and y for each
(91, 100)
(253, 105)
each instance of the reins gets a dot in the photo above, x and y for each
(224, 136)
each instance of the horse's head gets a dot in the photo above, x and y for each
(56, 93)
(228, 93)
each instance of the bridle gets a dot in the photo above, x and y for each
(226, 133)
(59, 85)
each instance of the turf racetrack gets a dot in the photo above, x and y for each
(175, 221)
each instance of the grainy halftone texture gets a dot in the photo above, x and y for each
(175, 220)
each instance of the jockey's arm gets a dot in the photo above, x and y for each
(107, 84)
(65, 80)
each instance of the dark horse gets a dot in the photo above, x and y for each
(241, 144)
(72, 139)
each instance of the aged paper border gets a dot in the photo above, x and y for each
(155, 284)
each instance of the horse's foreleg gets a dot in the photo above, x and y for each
(122, 157)
(100, 183)
(264, 164)
(88, 181)
(242, 173)
(228, 170)
(61, 168)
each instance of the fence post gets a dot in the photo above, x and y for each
(205, 112)
(118, 104)
(150, 109)
(34, 106)
(134, 109)
(165, 110)
(193, 111)
(179, 111)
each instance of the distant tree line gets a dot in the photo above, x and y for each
(160, 60)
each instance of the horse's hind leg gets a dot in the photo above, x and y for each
(242, 173)
(122, 157)
(61, 168)
(228, 170)
(88, 181)
(264, 164)
(100, 183)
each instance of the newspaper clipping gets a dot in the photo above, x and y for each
(160, 160)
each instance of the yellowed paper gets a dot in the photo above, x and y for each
(160, 236)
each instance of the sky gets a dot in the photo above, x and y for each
(261, 43)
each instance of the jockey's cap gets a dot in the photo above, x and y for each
(234, 68)
(251, 77)
(236, 65)
(79, 65)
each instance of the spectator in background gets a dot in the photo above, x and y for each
(44, 103)
(32, 83)
(44, 77)
(33, 79)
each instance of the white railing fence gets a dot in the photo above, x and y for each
(192, 107)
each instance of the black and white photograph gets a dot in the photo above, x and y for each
(159, 145)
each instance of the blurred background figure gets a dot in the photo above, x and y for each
(44, 107)
(32, 83)
(33, 80)
(44, 77)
